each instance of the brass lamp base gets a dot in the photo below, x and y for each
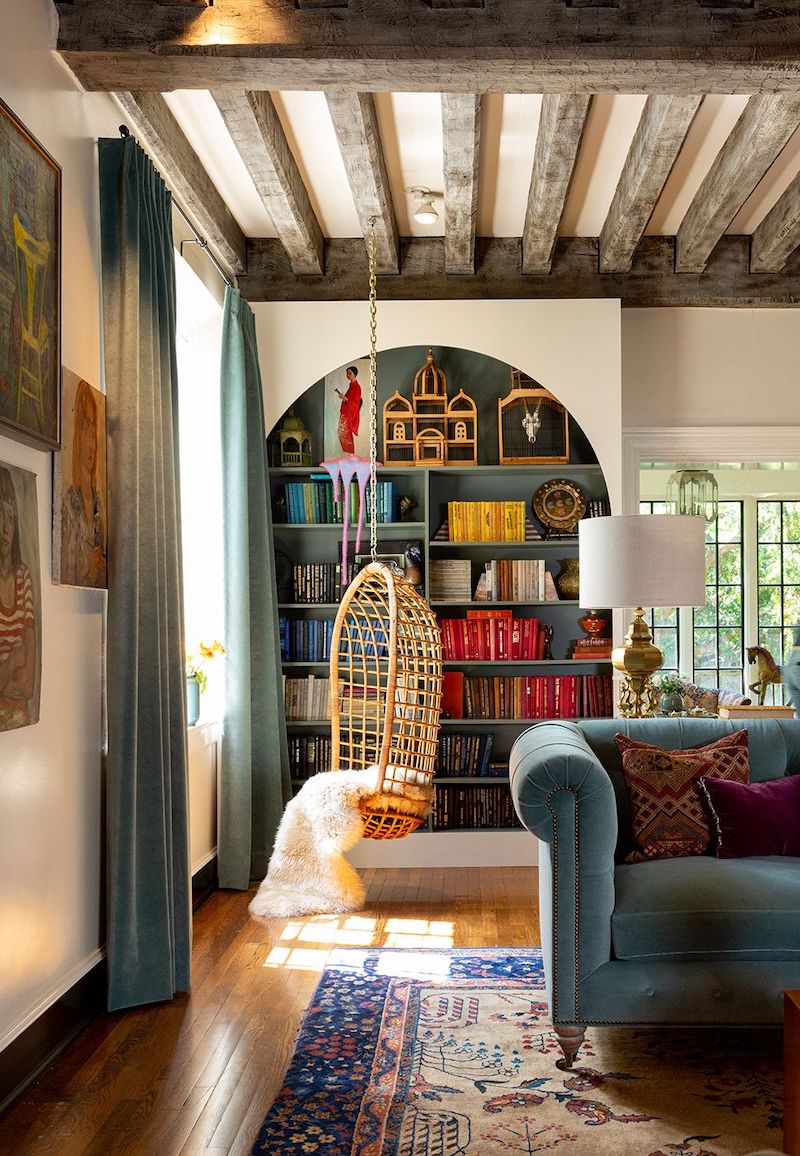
(638, 660)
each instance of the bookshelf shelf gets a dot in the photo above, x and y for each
(468, 743)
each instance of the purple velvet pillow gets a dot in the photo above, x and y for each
(756, 818)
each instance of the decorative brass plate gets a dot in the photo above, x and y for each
(559, 504)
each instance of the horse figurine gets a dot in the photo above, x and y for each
(768, 673)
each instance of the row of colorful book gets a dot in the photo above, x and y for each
(457, 807)
(305, 640)
(534, 696)
(309, 754)
(486, 521)
(516, 580)
(465, 754)
(306, 698)
(312, 503)
(318, 582)
(492, 635)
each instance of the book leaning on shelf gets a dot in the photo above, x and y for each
(308, 754)
(317, 582)
(533, 696)
(486, 521)
(492, 635)
(459, 807)
(305, 640)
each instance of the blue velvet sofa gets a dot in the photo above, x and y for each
(672, 941)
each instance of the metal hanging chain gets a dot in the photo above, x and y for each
(373, 389)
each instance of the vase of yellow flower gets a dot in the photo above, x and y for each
(197, 678)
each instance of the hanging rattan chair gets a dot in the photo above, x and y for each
(386, 694)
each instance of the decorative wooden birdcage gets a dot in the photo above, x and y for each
(532, 425)
(386, 693)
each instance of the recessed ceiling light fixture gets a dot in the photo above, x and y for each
(425, 210)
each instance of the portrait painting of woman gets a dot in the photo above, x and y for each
(79, 499)
(346, 424)
(20, 653)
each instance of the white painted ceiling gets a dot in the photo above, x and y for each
(410, 127)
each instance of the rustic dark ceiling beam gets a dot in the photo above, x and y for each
(778, 235)
(650, 282)
(152, 122)
(656, 143)
(356, 125)
(561, 127)
(757, 137)
(252, 121)
(461, 129)
(405, 45)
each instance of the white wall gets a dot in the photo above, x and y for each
(50, 774)
(571, 347)
(710, 367)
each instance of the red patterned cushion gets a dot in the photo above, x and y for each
(670, 814)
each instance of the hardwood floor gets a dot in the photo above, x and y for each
(197, 1075)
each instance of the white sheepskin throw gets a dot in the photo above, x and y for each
(308, 873)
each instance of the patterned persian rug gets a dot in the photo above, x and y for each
(451, 1054)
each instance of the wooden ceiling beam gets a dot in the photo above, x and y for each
(253, 123)
(561, 127)
(657, 141)
(651, 281)
(356, 126)
(757, 137)
(152, 122)
(405, 45)
(778, 235)
(461, 127)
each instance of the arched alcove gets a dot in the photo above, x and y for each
(571, 347)
(485, 380)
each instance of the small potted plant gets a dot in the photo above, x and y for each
(672, 687)
(197, 678)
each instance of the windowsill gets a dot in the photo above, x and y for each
(206, 731)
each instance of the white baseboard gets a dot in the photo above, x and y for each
(449, 849)
(63, 984)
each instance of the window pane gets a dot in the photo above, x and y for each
(711, 565)
(731, 680)
(769, 605)
(667, 643)
(769, 564)
(729, 522)
(791, 521)
(791, 606)
(769, 521)
(705, 648)
(771, 639)
(707, 615)
(729, 648)
(730, 565)
(730, 605)
(791, 563)
(665, 617)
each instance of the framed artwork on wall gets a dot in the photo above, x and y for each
(80, 500)
(30, 286)
(20, 600)
(347, 410)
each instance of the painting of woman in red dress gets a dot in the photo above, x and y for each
(350, 412)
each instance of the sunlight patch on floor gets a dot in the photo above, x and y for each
(329, 932)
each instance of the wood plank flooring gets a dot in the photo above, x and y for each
(198, 1074)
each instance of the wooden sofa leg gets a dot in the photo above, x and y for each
(570, 1037)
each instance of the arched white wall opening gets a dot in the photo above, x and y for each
(571, 347)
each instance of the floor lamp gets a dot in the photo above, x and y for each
(641, 560)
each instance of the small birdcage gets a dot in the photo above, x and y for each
(386, 693)
(532, 425)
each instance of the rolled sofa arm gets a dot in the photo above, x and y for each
(564, 796)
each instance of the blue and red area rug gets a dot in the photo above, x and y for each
(451, 1053)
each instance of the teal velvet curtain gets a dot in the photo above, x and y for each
(149, 888)
(254, 776)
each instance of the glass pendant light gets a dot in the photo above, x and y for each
(693, 492)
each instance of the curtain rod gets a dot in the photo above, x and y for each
(198, 239)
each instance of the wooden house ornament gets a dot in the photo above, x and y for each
(533, 427)
(430, 429)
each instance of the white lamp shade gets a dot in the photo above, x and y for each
(642, 560)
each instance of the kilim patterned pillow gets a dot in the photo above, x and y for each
(669, 812)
